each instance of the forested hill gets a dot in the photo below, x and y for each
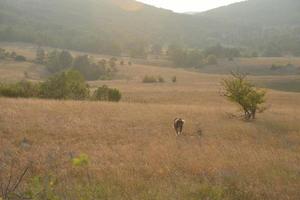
(112, 26)
(263, 13)
(95, 25)
(271, 26)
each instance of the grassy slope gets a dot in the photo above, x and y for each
(132, 143)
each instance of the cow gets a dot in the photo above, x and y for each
(178, 125)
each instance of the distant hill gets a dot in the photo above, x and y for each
(94, 25)
(272, 26)
(112, 26)
(267, 13)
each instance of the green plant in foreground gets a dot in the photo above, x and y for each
(80, 161)
(42, 187)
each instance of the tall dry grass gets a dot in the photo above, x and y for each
(133, 149)
(134, 145)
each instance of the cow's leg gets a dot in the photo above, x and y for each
(180, 130)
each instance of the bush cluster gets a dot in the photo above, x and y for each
(20, 58)
(57, 61)
(6, 55)
(153, 79)
(65, 85)
(275, 67)
(196, 58)
(157, 79)
(105, 93)
(149, 79)
(24, 89)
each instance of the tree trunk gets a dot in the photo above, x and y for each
(253, 113)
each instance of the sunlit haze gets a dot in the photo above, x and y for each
(189, 5)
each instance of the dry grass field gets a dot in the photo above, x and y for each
(11, 71)
(133, 149)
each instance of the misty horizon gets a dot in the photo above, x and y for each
(189, 6)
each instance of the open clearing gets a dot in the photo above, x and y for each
(133, 148)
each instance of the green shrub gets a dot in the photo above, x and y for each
(58, 61)
(153, 79)
(20, 58)
(42, 187)
(24, 89)
(81, 160)
(149, 79)
(105, 93)
(66, 85)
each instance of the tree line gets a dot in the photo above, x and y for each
(6, 55)
(184, 57)
(58, 61)
(67, 85)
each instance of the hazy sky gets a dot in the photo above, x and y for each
(189, 5)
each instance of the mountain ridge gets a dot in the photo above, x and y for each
(113, 26)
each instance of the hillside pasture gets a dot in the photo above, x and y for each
(133, 150)
(132, 146)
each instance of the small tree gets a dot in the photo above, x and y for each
(52, 62)
(237, 89)
(24, 89)
(66, 85)
(65, 59)
(20, 58)
(105, 93)
(112, 62)
(40, 56)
